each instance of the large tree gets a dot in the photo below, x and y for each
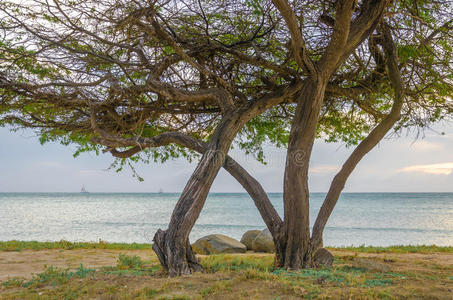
(149, 80)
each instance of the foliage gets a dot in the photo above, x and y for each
(138, 65)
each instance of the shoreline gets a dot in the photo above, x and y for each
(18, 245)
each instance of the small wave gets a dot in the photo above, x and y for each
(250, 226)
(390, 229)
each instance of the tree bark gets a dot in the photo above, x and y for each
(172, 245)
(292, 247)
(293, 243)
(375, 136)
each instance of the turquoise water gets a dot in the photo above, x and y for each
(378, 219)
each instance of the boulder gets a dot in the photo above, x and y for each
(323, 258)
(263, 242)
(248, 237)
(218, 243)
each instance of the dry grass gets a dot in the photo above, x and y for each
(355, 275)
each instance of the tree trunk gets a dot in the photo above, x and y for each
(293, 242)
(172, 245)
(373, 138)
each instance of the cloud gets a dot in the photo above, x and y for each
(438, 169)
(427, 146)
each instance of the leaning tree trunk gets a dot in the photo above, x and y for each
(172, 245)
(293, 242)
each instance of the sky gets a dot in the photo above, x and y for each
(398, 164)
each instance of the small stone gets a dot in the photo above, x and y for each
(248, 237)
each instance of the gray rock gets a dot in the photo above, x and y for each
(323, 258)
(218, 243)
(248, 237)
(263, 242)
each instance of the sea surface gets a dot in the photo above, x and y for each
(378, 219)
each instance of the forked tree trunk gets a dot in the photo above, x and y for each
(172, 245)
(293, 242)
(375, 136)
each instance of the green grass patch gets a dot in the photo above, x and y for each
(34, 245)
(339, 276)
(127, 262)
(397, 249)
(231, 262)
(51, 276)
(250, 276)
(377, 282)
(326, 274)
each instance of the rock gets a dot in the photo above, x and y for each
(248, 237)
(370, 264)
(218, 243)
(263, 242)
(323, 258)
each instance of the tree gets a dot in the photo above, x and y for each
(153, 80)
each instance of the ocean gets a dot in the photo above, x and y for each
(376, 219)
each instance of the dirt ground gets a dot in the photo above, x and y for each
(28, 262)
(356, 276)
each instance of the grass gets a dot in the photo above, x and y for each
(397, 249)
(34, 245)
(51, 276)
(231, 262)
(249, 276)
(126, 262)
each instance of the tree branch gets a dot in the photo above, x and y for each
(297, 40)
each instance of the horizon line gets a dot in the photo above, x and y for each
(281, 192)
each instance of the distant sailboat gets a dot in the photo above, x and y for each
(161, 191)
(83, 190)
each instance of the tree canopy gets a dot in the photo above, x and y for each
(150, 68)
